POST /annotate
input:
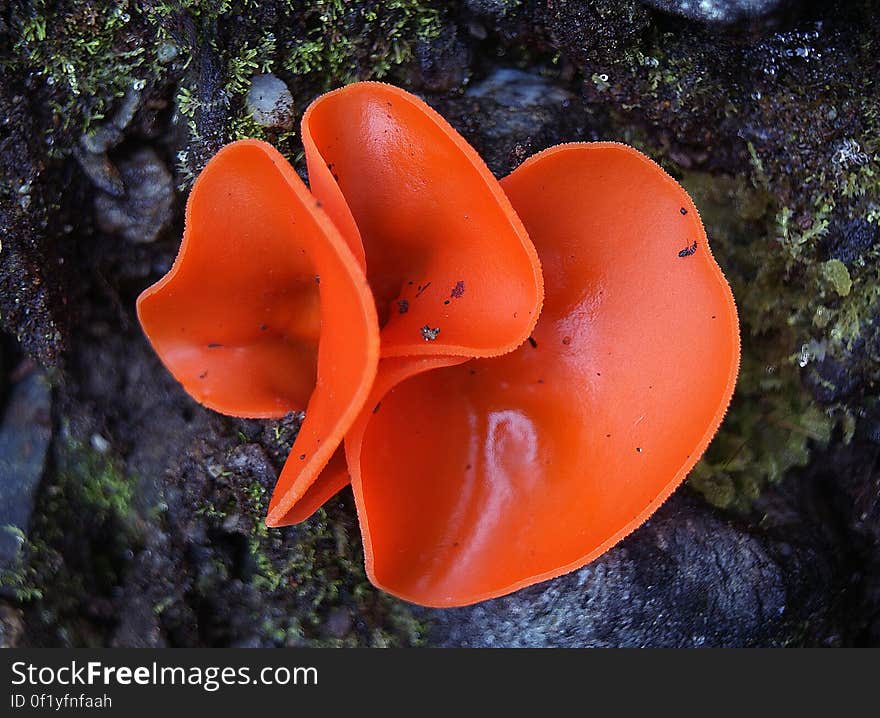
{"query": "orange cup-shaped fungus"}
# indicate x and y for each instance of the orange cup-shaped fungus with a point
(475, 480)
(489, 449)
(451, 267)
(266, 310)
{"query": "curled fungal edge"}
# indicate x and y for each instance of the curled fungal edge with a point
(522, 440)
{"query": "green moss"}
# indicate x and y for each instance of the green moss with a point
(88, 492)
(771, 427)
(101, 487)
(20, 578)
(837, 275)
(322, 571)
(313, 46)
(87, 54)
(84, 531)
(387, 33)
(794, 310)
(337, 43)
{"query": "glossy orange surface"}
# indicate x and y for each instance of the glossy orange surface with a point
(475, 480)
(266, 310)
(452, 269)
(335, 475)
(332, 479)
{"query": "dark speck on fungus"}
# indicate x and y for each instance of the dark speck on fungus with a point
(688, 251)
(457, 290)
(429, 334)
(403, 306)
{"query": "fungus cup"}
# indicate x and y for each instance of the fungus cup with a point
(480, 462)
(444, 248)
(520, 468)
(265, 309)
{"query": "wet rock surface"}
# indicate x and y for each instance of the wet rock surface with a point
(511, 114)
(690, 577)
(723, 11)
(25, 433)
(144, 208)
(147, 521)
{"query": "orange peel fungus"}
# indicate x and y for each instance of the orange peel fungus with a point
(523, 467)
(494, 436)
(266, 310)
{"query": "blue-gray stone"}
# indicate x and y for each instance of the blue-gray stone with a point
(24, 442)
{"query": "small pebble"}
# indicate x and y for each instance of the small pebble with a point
(270, 102)
(99, 443)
